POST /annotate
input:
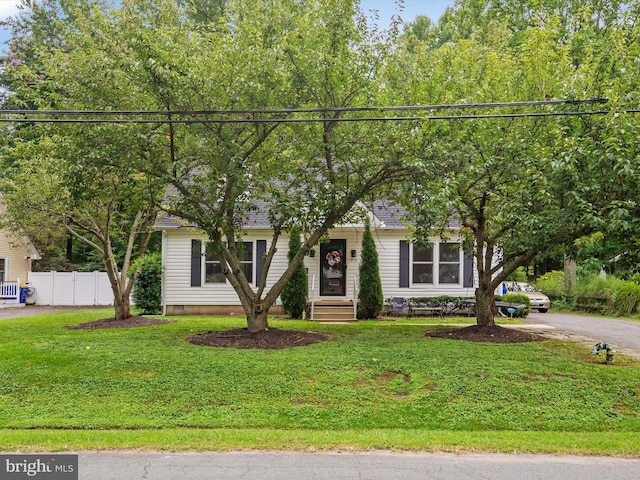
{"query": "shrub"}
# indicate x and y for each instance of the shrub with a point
(370, 298)
(596, 286)
(294, 294)
(518, 298)
(147, 292)
(625, 299)
(551, 283)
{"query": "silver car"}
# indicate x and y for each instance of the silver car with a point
(539, 301)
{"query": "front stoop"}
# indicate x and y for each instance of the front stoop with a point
(333, 311)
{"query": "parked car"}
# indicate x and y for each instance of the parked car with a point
(539, 301)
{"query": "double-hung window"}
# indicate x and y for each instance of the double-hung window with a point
(213, 267)
(449, 264)
(422, 264)
(245, 255)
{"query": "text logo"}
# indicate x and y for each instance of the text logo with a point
(44, 467)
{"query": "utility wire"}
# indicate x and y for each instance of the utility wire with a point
(308, 110)
(304, 120)
(30, 116)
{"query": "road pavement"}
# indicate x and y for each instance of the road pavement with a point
(337, 466)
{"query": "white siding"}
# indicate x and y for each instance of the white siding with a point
(177, 268)
(388, 244)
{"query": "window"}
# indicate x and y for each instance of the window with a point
(2, 269)
(422, 265)
(213, 267)
(245, 255)
(449, 265)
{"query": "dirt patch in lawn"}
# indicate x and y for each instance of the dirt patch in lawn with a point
(492, 334)
(274, 338)
(131, 322)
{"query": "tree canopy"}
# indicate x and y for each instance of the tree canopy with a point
(249, 105)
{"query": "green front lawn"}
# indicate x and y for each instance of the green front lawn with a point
(372, 385)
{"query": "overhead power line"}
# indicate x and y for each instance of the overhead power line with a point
(308, 110)
(240, 115)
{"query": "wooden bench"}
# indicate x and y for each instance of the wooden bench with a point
(415, 310)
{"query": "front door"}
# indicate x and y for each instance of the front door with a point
(333, 268)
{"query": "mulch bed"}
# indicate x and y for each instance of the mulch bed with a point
(131, 322)
(491, 334)
(273, 338)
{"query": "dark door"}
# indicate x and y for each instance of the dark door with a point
(333, 268)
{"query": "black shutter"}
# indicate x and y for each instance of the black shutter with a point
(404, 263)
(196, 263)
(467, 271)
(261, 250)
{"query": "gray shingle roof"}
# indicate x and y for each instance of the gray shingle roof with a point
(390, 215)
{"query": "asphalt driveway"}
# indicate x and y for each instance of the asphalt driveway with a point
(624, 335)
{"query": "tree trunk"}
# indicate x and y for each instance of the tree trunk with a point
(122, 308)
(257, 319)
(485, 306)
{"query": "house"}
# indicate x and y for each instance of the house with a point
(193, 282)
(16, 255)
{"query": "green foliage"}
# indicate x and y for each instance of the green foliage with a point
(520, 275)
(294, 294)
(551, 283)
(623, 296)
(147, 292)
(438, 299)
(610, 295)
(518, 298)
(625, 299)
(370, 296)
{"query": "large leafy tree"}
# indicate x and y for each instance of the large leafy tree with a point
(307, 174)
(81, 176)
(214, 142)
(494, 182)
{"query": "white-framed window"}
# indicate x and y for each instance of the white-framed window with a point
(422, 267)
(439, 263)
(449, 263)
(246, 257)
(213, 268)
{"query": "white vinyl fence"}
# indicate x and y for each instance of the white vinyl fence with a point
(71, 288)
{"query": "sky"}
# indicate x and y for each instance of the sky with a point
(386, 9)
(412, 8)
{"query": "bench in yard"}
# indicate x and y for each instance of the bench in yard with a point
(430, 310)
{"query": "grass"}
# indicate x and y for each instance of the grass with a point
(373, 385)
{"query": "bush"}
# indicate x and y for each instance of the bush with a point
(625, 299)
(595, 286)
(370, 298)
(518, 298)
(294, 294)
(551, 283)
(147, 292)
